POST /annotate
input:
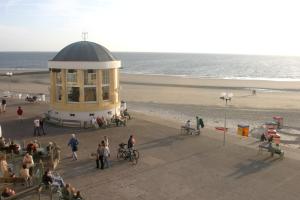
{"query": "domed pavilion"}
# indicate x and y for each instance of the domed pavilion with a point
(84, 82)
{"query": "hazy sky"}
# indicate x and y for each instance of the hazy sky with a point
(200, 26)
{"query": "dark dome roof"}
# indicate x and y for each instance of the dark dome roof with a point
(84, 51)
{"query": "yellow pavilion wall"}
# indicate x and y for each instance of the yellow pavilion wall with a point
(85, 106)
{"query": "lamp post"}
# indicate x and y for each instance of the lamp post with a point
(225, 97)
(9, 74)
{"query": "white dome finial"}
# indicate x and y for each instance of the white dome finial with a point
(84, 35)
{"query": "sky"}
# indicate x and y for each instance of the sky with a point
(268, 27)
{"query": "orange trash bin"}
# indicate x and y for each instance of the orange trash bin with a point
(243, 130)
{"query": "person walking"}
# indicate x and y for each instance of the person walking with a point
(42, 125)
(106, 141)
(19, 113)
(36, 127)
(3, 105)
(106, 155)
(100, 153)
(73, 143)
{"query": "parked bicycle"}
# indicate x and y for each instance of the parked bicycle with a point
(132, 155)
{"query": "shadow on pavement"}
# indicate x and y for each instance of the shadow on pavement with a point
(252, 166)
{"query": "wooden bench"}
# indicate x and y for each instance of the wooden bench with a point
(191, 131)
(53, 120)
(269, 147)
(122, 122)
(71, 123)
(15, 180)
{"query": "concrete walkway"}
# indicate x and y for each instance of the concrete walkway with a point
(172, 166)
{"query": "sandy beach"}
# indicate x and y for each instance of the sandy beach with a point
(180, 98)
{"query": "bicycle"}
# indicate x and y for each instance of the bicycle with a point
(189, 131)
(132, 155)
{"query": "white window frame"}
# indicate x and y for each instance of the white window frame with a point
(105, 83)
(69, 74)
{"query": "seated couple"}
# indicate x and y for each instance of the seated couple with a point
(119, 120)
(32, 146)
(9, 146)
(101, 122)
(50, 178)
(188, 126)
(125, 114)
(5, 169)
(69, 192)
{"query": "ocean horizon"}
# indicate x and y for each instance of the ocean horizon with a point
(186, 65)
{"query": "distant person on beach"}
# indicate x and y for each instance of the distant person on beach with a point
(253, 92)
(3, 105)
(73, 143)
(36, 127)
(20, 113)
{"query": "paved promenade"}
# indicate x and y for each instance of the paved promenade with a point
(172, 166)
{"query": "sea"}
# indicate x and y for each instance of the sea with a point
(220, 66)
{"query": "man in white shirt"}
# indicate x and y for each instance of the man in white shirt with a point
(94, 122)
(36, 125)
(24, 173)
(106, 156)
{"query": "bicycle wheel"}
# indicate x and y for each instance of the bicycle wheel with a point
(136, 154)
(120, 155)
(135, 157)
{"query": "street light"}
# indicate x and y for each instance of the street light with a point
(225, 97)
(9, 74)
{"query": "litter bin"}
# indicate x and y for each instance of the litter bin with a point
(243, 130)
(199, 122)
(279, 121)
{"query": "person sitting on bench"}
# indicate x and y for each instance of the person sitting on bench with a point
(3, 145)
(7, 192)
(24, 173)
(188, 127)
(125, 114)
(47, 178)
